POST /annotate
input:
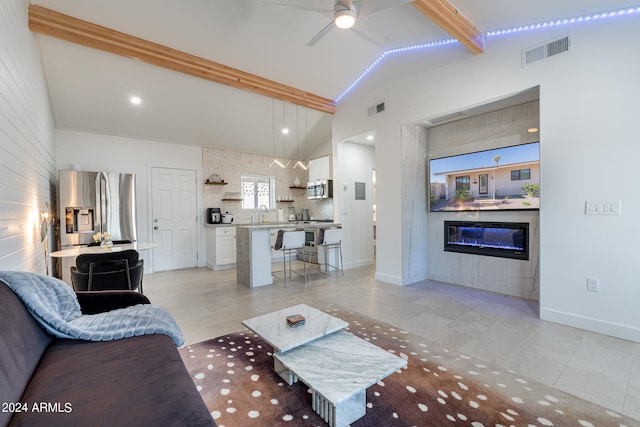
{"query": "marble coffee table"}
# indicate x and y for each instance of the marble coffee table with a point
(273, 328)
(339, 368)
(336, 365)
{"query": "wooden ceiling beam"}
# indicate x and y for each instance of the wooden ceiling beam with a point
(54, 24)
(447, 17)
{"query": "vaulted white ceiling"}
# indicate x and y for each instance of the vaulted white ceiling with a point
(90, 89)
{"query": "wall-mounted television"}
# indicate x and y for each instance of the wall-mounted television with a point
(499, 179)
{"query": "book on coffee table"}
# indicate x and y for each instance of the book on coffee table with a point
(295, 320)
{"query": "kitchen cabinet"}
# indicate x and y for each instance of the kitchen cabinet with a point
(320, 169)
(221, 247)
(225, 245)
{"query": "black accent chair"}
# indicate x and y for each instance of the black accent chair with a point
(121, 270)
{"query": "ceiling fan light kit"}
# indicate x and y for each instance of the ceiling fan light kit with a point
(345, 18)
(346, 13)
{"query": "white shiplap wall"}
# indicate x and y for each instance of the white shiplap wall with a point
(27, 145)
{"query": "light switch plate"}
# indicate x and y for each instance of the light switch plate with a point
(596, 207)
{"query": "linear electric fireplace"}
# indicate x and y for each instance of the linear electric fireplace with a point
(500, 239)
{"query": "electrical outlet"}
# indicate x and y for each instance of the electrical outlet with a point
(592, 284)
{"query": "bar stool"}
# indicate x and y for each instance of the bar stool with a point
(331, 238)
(289, 242)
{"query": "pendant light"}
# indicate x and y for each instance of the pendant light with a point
(275, 161)
(299, 162)
(285, 132)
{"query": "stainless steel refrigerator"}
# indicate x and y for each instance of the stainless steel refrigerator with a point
(96, 202)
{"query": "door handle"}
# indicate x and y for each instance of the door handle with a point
(155, 228)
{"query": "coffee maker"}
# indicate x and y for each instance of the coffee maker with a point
(214, 216)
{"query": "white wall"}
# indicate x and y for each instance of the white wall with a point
(322, 150)
(354, 164)
(95, 152)
(588, 143)
(27, 144)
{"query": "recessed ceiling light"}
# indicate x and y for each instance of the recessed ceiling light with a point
(285, 131)
(532, 130)
(369, 137)
(135, 100)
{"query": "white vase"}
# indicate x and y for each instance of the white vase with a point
(296, 181)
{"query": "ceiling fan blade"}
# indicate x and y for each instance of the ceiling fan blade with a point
(365, 29)
(368, 7)
(321, 34)
(296, 6)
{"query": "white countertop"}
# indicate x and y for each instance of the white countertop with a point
(272, 224)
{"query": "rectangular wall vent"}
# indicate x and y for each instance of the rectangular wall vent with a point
(545, 51)
(376, 109)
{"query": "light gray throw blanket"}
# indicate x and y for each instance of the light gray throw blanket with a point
(55, 306)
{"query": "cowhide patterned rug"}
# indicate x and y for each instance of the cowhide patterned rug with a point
(439, 387)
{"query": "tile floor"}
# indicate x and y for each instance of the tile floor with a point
(503, 330)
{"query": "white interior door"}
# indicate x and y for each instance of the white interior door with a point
(174, 218)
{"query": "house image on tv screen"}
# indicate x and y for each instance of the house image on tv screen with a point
(481, 181)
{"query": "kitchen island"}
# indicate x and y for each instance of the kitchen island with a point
(253, 250)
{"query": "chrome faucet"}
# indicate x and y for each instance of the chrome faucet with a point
(260, 215)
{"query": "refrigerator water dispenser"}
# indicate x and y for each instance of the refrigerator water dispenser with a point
(79, 220)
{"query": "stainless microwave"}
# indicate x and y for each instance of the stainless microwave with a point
(322, 189)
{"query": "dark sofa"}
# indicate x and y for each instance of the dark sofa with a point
(137, 381)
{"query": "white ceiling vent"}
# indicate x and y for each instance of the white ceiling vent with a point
(378, 108)
(547, 50)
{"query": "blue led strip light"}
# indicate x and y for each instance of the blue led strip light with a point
(381, 57)
(542, 25)
(565, 21)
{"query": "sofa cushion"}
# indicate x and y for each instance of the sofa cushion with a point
(138, 381)
(22, 343)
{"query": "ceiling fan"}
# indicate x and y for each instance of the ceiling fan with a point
(349, 14)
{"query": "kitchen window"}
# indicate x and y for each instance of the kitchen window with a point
(258, 190)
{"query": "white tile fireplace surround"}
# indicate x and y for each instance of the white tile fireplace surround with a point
(515, 277)
(502, 275)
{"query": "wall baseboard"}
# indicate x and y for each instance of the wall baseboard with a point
(387, 278)
(594, 325)
(359, 263)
